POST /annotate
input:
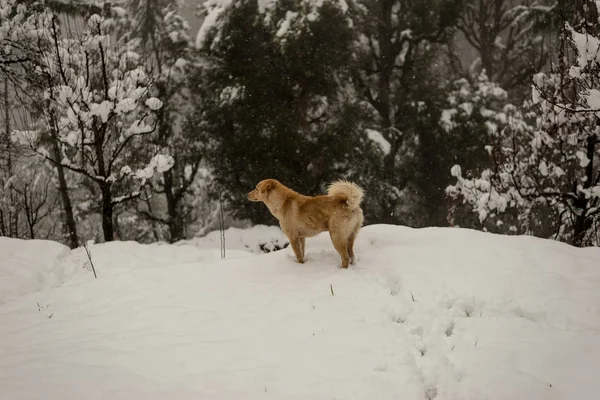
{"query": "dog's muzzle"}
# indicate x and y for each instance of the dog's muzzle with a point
(252, 196)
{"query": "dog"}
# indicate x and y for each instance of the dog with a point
(302, 216)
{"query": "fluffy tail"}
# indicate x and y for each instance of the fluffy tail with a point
(351, 192)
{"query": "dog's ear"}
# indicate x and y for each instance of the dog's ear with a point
(268, 186)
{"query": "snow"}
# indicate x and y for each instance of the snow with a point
(583, 159)
(104, 109)
(543, 168)
(214, 9)
(456, 171)
(593, 99)
(31, 266)
(429, 313)
(587, 46)
(286, 23)
(153, 103)
(139, 127)
(256, 239)
(158, 164)
(381, 142)
(446, 120)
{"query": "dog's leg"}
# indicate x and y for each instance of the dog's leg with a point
(297, 247)
(303, 247)
(351, 240)
(341, 245)
(351, 246)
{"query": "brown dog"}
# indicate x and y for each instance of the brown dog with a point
(302, 216)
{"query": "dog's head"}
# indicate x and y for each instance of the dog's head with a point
(262, 190)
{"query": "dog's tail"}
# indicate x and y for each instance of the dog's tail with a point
(351, 192)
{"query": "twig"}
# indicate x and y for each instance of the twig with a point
(222, 226)
(331, 287)
(87, 251)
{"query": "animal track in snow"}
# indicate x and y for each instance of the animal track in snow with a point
(450, 329)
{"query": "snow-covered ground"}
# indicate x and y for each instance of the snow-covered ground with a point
(425, 314)
(256, 239)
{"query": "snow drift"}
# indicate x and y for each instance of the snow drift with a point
(425, 314)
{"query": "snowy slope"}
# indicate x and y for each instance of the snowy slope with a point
(433, 313)
(32, 265)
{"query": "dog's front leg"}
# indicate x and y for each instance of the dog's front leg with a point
(298, 249)
(303, 247)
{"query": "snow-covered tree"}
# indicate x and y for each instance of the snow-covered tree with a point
(12, 29)
(173, 61)
(97, 110)
(549, 169)
(508, 38)
(27, 200)
(397, 75)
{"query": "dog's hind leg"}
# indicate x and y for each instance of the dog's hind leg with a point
(351, 239)
(351, 246)
(298, 248)
(340, 242)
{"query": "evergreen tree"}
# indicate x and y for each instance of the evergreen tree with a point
(399, 76)
(278, 102)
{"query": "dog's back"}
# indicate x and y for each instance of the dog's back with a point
(337, 211)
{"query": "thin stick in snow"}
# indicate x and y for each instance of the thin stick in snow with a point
(87, 251)
(222, 227)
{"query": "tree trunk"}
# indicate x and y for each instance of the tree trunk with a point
(31, 231)
(582, 222)
(7, 130)
(107, 213)
(13, 215)
(66, 199)
(174, 217)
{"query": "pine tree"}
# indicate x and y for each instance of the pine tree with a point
(278, 101)
(399, 76)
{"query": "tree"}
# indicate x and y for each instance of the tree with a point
(508, 37)
(98, 111)
(553, 165)
(29, 197)
(18, 57)
(277, 103)
(398, 77)
(172, 60)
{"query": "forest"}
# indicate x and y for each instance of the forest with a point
(119, 121)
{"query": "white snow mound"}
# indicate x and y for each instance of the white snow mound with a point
(28, 266)
(424, 314)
